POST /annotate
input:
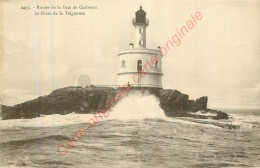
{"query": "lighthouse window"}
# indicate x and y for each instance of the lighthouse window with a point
(139, 65)
(156, 65)
(123, 64)
(141, 30)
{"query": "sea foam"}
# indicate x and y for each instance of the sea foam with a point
(137, 106)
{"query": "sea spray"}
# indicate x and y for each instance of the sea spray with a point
(137, 106)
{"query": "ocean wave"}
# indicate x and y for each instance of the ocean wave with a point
(35, 140)
(191, 121)
(54, 120)
(245, 121)
(138, 107)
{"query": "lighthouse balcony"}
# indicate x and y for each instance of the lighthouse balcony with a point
(140, 51)
(140, 22)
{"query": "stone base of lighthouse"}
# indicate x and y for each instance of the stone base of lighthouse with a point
(140, 68)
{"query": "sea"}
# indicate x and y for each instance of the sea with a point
(135, 134)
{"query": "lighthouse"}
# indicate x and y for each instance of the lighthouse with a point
(138, 65)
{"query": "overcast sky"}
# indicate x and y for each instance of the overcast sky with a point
(218, 58)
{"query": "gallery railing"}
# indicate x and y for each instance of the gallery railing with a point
(121, 86)
(146, 22)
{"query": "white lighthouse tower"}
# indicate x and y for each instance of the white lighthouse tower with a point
(139, 66)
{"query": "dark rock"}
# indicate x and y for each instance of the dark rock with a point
(221, 115)
(202, 101)
(86, 100)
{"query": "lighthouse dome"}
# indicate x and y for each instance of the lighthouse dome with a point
(140, 15)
